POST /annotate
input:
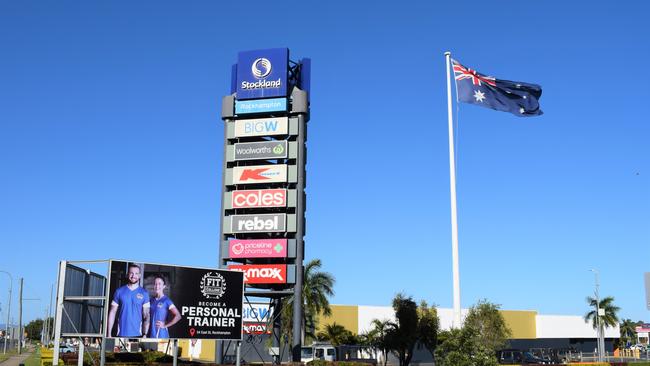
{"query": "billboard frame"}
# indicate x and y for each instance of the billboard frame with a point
(60, 309)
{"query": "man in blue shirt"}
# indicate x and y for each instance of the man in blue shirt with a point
(159, 310)
(131, 304)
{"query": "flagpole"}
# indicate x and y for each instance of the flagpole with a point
(454, 216)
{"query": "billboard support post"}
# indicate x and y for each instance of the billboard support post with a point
(58, 313)
(102, 352)
(175, 352)
(80, 357)
(238, 363)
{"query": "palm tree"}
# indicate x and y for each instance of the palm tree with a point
(380, 329)
(336, 334)
(628, 332)
(609, 319)
(317, 287)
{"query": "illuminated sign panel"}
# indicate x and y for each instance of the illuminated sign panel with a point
(261, 150)
(262, 127)
(259, 198)
(262, 273)
(261, 106)
(259, 174)
(258, 223)
(262, 73)
(257, 248)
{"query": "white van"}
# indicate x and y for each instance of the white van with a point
(318, 351)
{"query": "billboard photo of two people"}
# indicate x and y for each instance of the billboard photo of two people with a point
(162, 301)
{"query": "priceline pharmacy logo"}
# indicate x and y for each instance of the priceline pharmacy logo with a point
(261, 68)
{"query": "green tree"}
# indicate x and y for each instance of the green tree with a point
(378, 335)
(484, 331)
(628, 332)
(488, 324)
(402, 335)
(34, 329)
(428, 328)
(317, 287)
(610, 317)
(336, 334)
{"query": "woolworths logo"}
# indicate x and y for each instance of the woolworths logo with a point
(261, 150)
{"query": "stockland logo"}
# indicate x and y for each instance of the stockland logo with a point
(261, 68)
(262, 73)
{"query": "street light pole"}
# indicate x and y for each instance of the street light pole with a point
(11, 284)
(20, 318)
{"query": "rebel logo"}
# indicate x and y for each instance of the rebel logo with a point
(259, 174)
(258, 223)
(259, 198)
(262, 273)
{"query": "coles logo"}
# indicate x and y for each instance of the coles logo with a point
(259, 198)
(262, 273)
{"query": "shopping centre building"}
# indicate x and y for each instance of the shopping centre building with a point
(530, 330)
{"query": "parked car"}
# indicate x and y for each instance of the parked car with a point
(66, 349)
(515, 356)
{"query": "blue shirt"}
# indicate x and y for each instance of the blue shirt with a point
(131, 303)
(159, 310)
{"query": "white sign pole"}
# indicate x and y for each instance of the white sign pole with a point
(59, 312)
(454, 216)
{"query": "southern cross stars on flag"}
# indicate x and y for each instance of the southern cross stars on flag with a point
(521, 99)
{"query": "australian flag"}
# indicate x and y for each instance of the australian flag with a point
(521, 99)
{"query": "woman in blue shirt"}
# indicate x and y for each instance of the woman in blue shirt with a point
(159, 309)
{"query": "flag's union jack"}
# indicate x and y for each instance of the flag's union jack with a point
(461, 72)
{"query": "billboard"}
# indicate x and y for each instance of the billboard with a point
(262, 273)
(163, 301)
(257, 248)
(260, 150)
(261, 127)
(259, 174)
(260, 106)
(262, 73)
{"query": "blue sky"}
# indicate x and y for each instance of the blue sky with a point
(111, 143)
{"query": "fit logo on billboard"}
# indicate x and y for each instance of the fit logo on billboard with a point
(262, 273)
(259, 198)
(213, 285)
